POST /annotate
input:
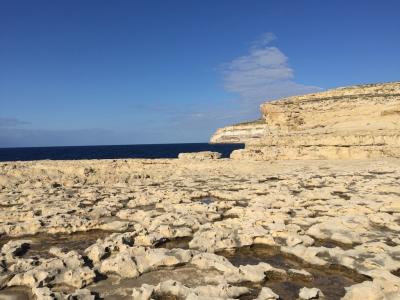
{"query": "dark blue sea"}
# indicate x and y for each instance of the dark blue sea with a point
(112, 152)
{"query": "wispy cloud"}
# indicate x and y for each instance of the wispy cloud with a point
(262, 74)
(12, 122)
(264, 39)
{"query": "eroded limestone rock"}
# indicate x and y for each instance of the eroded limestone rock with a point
(310, 293)
(179, 220)
(202, 155)
(170, 287)
(365, 290)
(355, 122)
(267, 294)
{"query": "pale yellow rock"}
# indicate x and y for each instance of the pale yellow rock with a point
(366, 290)
(267, 294)
(121, 264)
(310, 293)
(240, 133)
(323, 212)
(355, 122)
(202, 155)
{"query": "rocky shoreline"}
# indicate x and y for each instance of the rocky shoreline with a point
(200, 229)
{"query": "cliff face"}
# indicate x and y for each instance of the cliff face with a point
(240, 133)
(345, 123)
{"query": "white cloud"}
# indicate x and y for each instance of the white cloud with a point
(262, 74)
(264, 39)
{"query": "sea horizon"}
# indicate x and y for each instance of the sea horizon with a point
(101, 145)
(139, 151)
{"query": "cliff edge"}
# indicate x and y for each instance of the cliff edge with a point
(352, 122)
(240, 133)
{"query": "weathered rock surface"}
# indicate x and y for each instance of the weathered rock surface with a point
(310, 293)
(202, 155)
(240, 133)
(210, 229)
(355, 122)
(267, 294)
(177, 289)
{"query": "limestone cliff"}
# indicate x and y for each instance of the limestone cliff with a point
(345, 123)
(240, 133)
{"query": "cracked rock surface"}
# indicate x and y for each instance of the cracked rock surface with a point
(200, 229)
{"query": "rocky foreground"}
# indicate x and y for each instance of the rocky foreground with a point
(215, 229)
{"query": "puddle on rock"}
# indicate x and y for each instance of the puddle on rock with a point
(207, 200)
(270, 179)
(396, 273)
(333, 244)
(181, 242)
(331, 283)
(211, 199)
(227, 216)
(42, 242)
(147, 207)
(242, 203)
(258, 253)
(330, 280)
(342, 195)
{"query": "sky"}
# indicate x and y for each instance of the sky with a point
(99, 72)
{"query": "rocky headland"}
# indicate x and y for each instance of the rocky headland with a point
(272, 225)
(344, 123)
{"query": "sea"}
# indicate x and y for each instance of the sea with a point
(112, 152)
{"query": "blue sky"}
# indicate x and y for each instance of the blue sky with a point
(129, 72)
